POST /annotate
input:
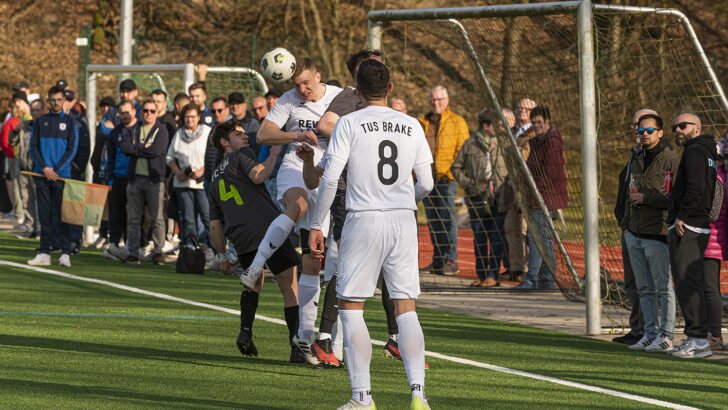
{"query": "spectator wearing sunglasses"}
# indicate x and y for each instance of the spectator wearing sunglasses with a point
(146, 147)
(645, 233)
(688, 213)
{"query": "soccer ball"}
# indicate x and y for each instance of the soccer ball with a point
(278, 64)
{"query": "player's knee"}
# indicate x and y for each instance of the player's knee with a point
(311, 265)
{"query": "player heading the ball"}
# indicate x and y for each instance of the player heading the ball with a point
(382, 147)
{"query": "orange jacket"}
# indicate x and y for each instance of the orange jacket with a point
(451, 135)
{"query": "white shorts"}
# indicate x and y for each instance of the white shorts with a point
(290, 176)
(374, 242)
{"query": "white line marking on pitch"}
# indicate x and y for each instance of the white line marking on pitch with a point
(482, 365)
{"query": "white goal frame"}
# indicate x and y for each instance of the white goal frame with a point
(585, 25)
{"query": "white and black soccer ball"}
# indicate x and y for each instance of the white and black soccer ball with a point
(278, 64)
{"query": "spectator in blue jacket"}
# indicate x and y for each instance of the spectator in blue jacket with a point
(147, 148)
(127, 92)
(53, 145)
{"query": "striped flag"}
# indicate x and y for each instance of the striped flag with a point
(83, 203)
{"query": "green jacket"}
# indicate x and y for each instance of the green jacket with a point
(476, 167)
(648, 219)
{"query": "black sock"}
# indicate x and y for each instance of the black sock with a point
(248, 306)
(330, 312)
(291, 315)
(389, 310)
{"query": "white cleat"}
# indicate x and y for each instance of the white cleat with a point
(250, 276)
(305, 347)
(41, 259)
(353, 405)
(65, 260)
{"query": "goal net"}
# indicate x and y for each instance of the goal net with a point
(645, 59)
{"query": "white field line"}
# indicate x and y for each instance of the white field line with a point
(482, 365)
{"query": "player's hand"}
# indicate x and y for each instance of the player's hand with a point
(225, 267)
(50, 174)
(308, 136)
(201, 71)
(181, 175)
(305, 152)
(316, 243)
(679, 227)
(275, 150)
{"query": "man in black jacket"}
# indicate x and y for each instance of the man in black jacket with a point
(688, 213)
(146, 147)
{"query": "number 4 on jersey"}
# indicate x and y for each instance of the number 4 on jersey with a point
(232, 193)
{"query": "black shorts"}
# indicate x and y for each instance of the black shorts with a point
(338, 213)
(284, 258)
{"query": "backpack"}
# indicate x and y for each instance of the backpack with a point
(718, 196)
(191, 260)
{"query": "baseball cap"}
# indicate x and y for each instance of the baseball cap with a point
(106, 102)
(236, 98)
(62, 83)
(128, 84)
(21, 84)
(274, 92)
(20, 95)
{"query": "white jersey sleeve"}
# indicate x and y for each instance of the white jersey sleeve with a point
(282, 110)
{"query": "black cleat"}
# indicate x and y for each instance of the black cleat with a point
(245, 344)
(297, 355)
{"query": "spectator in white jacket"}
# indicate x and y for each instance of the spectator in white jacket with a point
(186, 159)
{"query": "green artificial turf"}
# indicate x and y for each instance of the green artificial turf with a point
(147, 362)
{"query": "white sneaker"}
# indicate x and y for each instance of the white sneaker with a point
(214, 264)
(99, 242)
(690, 349)
(41, 259)
(119, 252)
(661, 343)
(108, 255)
(249, 276)
(167, 247)
(644, 342)
(353, 404)
(305, 347)
(65, 260)
(209, 254)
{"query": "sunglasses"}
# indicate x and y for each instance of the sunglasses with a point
(681, 125)
(150, 111)
(219, 110)
(649, 131)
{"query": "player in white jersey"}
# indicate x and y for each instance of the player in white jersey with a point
(382, 147)
(297, 111)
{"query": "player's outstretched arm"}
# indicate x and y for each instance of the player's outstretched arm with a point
(326, 124)
(424, 183)
(311, 173)
(271, 134)
(263, 170)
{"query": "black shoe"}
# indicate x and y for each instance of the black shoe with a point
(629, 339)
(132, 260)
(158, 259)
(245, 344)
(450, 269)
(297, 355)
(517, 276)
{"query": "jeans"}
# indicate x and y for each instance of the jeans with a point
(537, 220)
(487, 225)
(192, 202)
(49, 195)
(141, 190)
(651, 265)
(117, 210)
(27, 192)
(440, 211)
(636, 322)
(686, 260)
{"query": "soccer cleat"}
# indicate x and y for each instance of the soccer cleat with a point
(297, 355)
(249, 276)
(305, 347)
(419, 403)
(353, 405)
(324, 353)
(661, 343)
(690, 349)
(245, 344)
(644, 342)
(65, 260)
(391, 350)
(41, 259)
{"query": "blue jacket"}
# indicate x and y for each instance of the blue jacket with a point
(113, 115)
(83, 152)
(53, 143)
(118, 162)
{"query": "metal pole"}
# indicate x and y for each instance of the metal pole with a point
(532, 9)
(585, 26)
(91, 119)
(189, 76)
(126, 32)
(374, 38)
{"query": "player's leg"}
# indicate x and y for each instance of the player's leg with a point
(358, 348)
(309, 291)
(248, 306)
(390, 349)
(412, 348)
(278, 231)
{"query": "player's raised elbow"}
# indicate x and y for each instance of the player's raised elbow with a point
(266, 132)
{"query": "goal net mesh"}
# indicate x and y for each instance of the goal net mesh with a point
(641, 60)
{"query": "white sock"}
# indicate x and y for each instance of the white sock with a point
(394, 337)
(332, 260)
(324, 336)
(308, 298)
(412, 348)
(358, 347)
(337, 341)
(276, 234)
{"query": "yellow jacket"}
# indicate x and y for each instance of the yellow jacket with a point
(451, 135)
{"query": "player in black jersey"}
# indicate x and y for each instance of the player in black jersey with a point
(239, 199)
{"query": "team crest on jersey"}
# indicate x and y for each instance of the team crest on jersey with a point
(62, 126)
(208, 120)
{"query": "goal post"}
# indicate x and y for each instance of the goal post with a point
(479, 32)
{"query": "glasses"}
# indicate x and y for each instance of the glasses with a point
(150, 111)
(681, 125)
(649, 131)
(219, 110)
